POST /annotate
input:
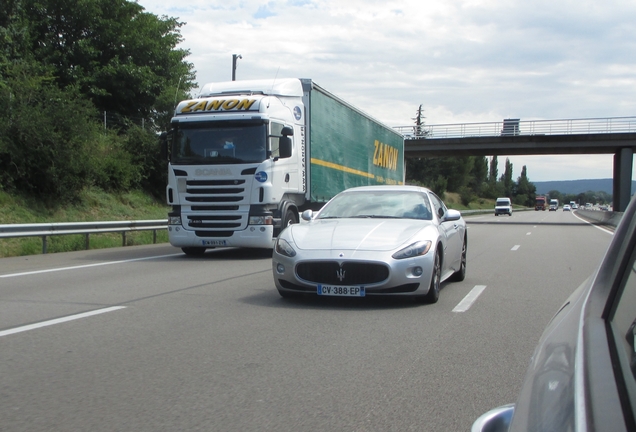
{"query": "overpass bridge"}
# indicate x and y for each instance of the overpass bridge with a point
(615, 135)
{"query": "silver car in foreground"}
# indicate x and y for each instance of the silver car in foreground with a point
(582, 375)
(373, 241)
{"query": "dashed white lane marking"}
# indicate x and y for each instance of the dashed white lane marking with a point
(470, 298)
(515, 247)
(528, 233)
(58, 320)
(85, 266)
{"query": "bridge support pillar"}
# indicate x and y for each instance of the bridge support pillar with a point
(622, 187)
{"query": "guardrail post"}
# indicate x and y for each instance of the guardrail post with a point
(43, 244)
(87, 242)
(154, 236)
(123, 238)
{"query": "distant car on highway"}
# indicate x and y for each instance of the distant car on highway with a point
(503, 206)
(566, 207)
(582, 375)
(373, 241)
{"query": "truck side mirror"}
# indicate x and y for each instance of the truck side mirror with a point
(285, 147)
(285, 143)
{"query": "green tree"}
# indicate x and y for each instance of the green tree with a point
(493, 172)
(124, 59)
(526, 191)
(63, 63)
(45, 135)
(506, 179)
(479, 175)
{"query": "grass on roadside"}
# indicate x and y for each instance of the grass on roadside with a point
(94, 205)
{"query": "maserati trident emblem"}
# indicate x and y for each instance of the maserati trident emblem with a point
(340, 274)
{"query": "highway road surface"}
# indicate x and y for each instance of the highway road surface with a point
(148, 339)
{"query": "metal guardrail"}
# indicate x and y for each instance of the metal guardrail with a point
(512, 127)
(45, 230)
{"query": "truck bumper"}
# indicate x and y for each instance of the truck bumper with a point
(255, 236)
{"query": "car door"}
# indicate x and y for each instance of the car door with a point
(451, 232)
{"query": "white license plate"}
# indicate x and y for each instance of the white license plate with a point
(341, 291)
(214, 243)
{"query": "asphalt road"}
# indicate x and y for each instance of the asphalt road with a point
(189, 344)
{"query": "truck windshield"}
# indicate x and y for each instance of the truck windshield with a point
(213, 143)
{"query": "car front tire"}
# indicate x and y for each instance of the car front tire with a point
(433, 291)
(460, 274)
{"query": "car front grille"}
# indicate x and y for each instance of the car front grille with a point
(349, 273)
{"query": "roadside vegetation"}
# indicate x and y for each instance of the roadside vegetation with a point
(92, 205)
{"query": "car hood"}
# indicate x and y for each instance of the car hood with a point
(357, 234)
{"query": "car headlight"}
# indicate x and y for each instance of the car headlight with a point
(284, 248)
(412, 250)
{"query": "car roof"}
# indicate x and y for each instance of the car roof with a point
(389, 188)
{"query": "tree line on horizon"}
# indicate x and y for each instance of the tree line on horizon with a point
(471, 176)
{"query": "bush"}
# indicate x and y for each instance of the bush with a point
(466, 195)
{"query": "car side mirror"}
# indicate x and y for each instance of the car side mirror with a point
(307, 215)
(452, 215)
(496, 420)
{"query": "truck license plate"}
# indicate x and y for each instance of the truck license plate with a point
(341, 291)
(214, 243)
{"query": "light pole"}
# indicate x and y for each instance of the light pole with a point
(235, 57)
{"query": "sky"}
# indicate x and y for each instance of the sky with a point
(462, 60)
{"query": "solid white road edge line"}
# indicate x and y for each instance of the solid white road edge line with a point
(58, 320)
(470, 298)
(85, 266)
(595, 226)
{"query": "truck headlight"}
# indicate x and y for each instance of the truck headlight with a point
(174, 220)
(261, 220)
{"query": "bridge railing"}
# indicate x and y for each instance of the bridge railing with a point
(510, 127)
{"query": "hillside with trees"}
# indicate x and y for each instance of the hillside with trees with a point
(84, 87)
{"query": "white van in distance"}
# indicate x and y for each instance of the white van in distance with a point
(503, 206)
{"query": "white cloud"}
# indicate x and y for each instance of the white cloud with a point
(463, 60)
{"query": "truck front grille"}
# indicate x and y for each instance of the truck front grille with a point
(216, 206)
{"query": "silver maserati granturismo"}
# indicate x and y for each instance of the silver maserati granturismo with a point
(373, 241)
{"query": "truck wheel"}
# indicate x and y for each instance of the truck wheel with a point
(193, 251)
(290, 218)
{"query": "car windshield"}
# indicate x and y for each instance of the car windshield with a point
(378, 204)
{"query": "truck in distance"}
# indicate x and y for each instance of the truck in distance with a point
(554, 204)
(541, 202)
(245, 157)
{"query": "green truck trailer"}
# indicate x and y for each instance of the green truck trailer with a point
(246, 157)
